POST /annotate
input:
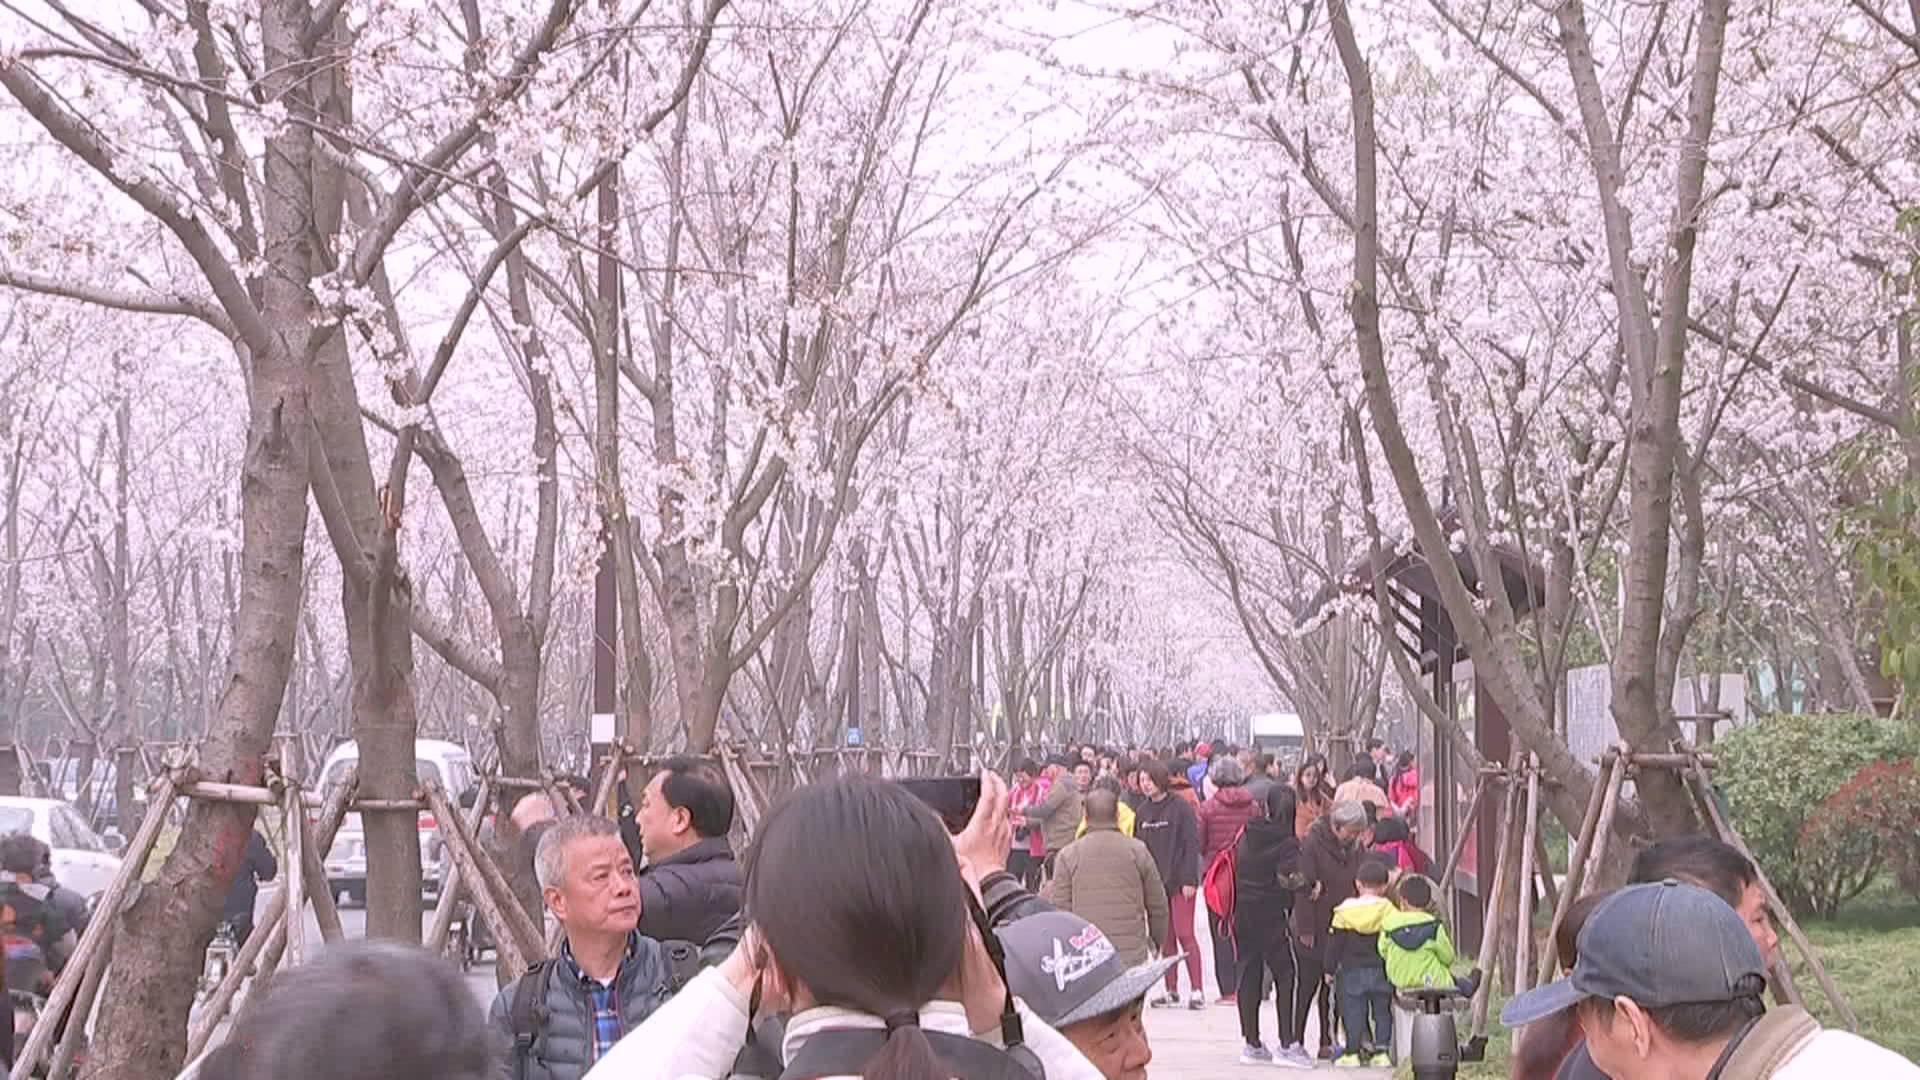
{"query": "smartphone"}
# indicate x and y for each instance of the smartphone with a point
(952, 797)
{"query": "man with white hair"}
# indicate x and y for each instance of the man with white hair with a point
(566, 1012)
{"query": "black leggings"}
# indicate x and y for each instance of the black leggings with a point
(1266, 948)
(1311, 965)
(1226, 963)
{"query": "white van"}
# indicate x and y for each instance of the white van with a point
(447, 764)
(1280, 734)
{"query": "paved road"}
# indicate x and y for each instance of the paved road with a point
(354, 921)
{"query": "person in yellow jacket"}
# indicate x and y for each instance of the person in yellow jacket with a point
(1126, 812)
(1360, 973)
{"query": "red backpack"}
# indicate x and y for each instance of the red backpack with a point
(1217, 883)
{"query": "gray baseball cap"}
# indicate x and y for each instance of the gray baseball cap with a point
(1665, 943)
(1067, 971)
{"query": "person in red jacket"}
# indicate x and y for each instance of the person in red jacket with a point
(1404, 790)
(1221, 819)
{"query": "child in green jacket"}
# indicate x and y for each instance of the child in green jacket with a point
(1415, 945)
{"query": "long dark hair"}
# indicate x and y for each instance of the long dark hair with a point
(1320, 792)
(854, 887)
(1282, 807)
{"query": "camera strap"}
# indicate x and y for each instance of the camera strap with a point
(1013, 1030)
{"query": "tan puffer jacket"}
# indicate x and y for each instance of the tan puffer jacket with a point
(1109, 879)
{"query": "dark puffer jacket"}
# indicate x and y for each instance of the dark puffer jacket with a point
(562, 1047)
(1329, 863)
(687, 896)
(1221, 819)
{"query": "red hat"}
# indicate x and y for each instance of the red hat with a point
(1203, 749)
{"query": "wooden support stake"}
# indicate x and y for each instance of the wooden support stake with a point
(450, 882)
(748, 796)
(1466, 834)
(319, 893)
(296, 885)
(609, 776)
(251, 794)
(1492, 904)
(69, 1046)
(513, 932)
(1603, 831)
(1549, 890)
(1671, 761)
(99, 929)
(519, 783)
(564, 804)
(1780, 974)
(264, 946)
(1727, 833)
(1523, 925)
(1578, 861)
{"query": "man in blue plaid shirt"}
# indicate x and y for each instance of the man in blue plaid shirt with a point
(566, 1013)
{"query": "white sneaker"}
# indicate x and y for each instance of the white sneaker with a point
(1255, 1055)
(1293, 1057)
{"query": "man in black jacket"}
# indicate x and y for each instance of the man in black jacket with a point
(691, 884)
(257, 864)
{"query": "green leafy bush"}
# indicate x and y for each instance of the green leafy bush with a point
(1778, 772)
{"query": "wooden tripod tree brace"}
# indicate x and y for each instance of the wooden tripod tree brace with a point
(513, 931)
(1493, 903)
(296, 886)
(451, 883)
(1445, 882)
(1523, 925)
(1603, 831)
(99, 929)
(1704, 790)
(264, 946)
(609, 776)
(69, 1047)
(1577, 863)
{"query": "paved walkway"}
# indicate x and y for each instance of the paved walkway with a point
(1190, 1044)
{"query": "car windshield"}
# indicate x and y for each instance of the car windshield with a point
(15, 819)
(70, 831)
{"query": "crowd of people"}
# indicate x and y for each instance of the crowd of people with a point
(854, 936)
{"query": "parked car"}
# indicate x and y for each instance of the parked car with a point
(82, 860)
(63, 780)
(447, 764)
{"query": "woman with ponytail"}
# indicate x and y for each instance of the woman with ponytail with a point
(861, 931)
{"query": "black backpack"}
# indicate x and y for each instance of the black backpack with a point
(527, 1011)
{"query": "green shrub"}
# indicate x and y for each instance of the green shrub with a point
(1778, 772)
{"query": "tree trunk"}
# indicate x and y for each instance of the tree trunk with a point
(163, 935)
(375, 596)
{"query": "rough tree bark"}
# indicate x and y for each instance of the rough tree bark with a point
(1656, 351)
(164, 932)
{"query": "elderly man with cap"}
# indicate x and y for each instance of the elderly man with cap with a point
(1670, 985)
(1072, 977)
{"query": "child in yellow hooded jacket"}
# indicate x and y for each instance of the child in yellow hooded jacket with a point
(1364, 995)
